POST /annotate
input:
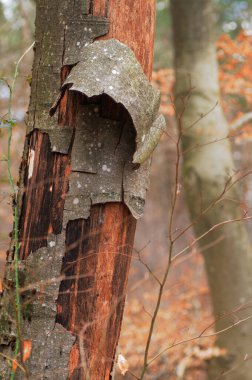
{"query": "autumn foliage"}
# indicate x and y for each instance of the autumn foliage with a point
(186, 309)
(235, 78)
(235, 72)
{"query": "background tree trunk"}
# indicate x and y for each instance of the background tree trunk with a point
(207, 169)
(98, 249)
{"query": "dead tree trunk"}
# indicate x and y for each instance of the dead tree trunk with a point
(208, 171)
(76, 231)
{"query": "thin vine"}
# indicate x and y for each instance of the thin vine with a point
(9, 122)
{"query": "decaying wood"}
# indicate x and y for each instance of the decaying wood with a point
(133, 23)
(90, 304)
(98, 249)
(101, 363)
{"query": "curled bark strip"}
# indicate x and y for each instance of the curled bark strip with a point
(111, 159)
(111, 67)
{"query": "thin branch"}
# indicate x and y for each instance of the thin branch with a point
(12, 361)
(18, 343)
(231, 182)
(200, 118)
(246, 118)
(208, 231)
(196, 146)
(200, 336)
(168, 264)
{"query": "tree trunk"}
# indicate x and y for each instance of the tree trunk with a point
(79, 339)
(207, 171)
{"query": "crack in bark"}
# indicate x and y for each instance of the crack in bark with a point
(64, 45)
(36, 87)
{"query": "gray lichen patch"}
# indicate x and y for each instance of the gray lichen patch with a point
(135, 186)
(111, 67)
(83, 5)
(70, 28)
(102, 168)
(60, 138)
(80, 34)
(86, 136)
(150, 140)
(51, 343)
(76, 206)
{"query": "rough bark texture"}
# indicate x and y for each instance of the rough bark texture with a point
(90, 287)
(91, 300)
(206, 171)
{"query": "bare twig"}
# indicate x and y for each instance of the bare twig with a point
(200, 336)
(246, 118)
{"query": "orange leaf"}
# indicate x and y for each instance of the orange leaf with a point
(27, 350)
(14, 365)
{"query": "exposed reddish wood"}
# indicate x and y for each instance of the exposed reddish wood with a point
(133, 23)
(97, 260)
(68, 106)
(43, 195)
(100, 8)
(74, 358)
(44, 192)
(98, 250)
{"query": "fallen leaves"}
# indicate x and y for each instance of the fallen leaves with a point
(27, 348)
(122, 364)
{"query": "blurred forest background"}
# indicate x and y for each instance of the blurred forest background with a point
(186, 307)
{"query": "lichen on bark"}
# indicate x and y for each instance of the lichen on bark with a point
(111, 67)
(56, 148)
(51, 343)
(104, 152)
(69, 30)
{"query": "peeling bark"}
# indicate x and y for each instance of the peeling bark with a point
(85, 253)
(51, 342)
(110, 67)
